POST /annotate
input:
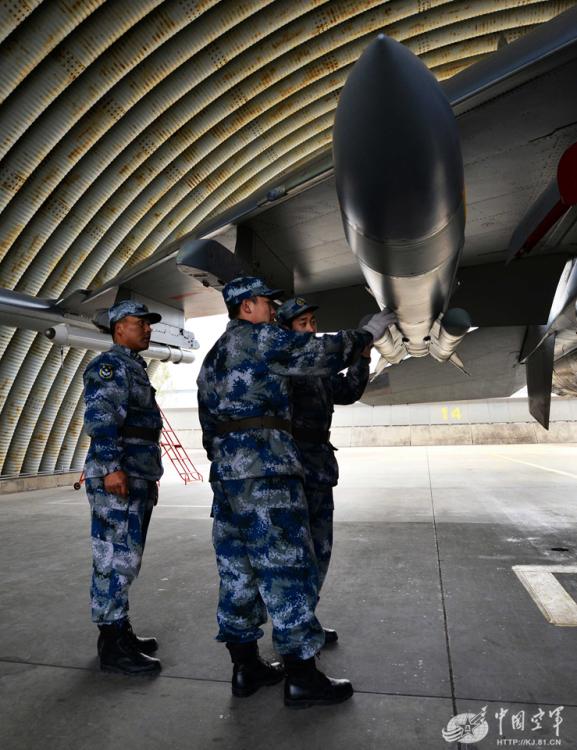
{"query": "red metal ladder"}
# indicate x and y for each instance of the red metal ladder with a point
(173, 449)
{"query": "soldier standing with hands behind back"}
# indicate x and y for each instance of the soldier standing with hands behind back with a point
(122, 468)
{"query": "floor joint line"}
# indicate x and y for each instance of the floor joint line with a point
(442, 588)
(385, 693)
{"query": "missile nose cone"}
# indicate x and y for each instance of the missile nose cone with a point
(397, 156)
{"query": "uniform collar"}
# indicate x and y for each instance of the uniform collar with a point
(129, 353)
(236, 323)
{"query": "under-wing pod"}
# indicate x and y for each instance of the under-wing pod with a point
(448, 332)
(399, 177)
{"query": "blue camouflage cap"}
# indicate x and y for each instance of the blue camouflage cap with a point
(291, 309)
(129, 307)
(245, 287)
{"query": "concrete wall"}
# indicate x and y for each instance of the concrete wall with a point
(38, 482)
(459, 423)
(500, 421)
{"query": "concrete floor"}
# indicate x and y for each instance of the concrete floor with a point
(432, 619)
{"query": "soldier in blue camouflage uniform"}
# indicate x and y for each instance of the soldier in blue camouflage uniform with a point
(313, 399)
(122, 469)
(261, 534)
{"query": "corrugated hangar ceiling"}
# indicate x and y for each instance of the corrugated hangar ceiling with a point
(123, 125)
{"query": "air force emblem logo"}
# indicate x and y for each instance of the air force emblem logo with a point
(106, 372)
(467, 728)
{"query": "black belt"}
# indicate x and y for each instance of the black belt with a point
(301, 434)
(144, 433)
(254, 423)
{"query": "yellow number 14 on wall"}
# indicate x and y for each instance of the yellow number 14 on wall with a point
(454, 413)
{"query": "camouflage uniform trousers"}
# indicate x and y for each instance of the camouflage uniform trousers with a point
(321, 510)
(266, 563)
(119, 528)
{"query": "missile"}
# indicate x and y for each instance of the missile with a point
(65, 328)
(400, 184)
(549, 208)
(82, 338)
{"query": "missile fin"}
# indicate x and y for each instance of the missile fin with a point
(382, 364)
(457, 362)
(539, 369)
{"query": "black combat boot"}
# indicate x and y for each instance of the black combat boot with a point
(331, 636)
(250, 672)
(306, 686)
(144, 645)
(118, 652)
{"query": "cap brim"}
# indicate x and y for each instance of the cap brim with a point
(151, 317)
(272, 293)
(287, 321)
(302, 311)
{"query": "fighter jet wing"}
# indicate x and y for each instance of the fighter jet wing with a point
(517, 116)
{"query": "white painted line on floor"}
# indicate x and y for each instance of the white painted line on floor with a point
(535, 466)
(557, 606)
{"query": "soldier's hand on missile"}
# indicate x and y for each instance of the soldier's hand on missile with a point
(378, 323)
(116, 483)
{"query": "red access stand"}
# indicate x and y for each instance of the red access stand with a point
(173, 449)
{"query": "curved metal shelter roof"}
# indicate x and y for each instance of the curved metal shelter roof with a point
(124, 125)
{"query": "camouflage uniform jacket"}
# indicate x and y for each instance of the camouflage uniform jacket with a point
(247, 374)
(118, 393)
(313, 401)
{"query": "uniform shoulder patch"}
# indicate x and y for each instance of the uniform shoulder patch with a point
(106, 372)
